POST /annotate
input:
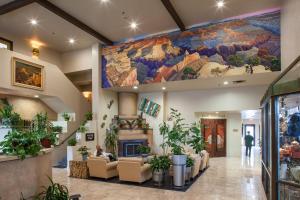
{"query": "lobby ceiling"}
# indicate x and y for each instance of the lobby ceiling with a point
(112, 19)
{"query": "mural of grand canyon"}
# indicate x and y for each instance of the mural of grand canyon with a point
(230, 47)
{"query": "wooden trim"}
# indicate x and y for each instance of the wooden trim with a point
(170, 8)
(9, 42)
(14, 5)
(66, 16)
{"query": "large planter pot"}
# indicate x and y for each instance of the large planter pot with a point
(158, 176)
(46, 143)
(84, 157)
(188, 173)
(179, 170)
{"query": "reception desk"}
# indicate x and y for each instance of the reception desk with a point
(24, 176)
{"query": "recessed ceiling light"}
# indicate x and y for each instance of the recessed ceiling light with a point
(71, 41)
(133, 25)
(217, 112)
(36, 96)
(226, 83)
(33, 22)
(163, 88)
(220, 4)
(104, 1)
(135, 87)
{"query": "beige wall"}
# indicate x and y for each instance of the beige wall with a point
(29, 107)
(290, 31)
(23, 46)
(77, 60)
(127, 103)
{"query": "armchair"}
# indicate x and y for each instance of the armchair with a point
(134, 170)
(102, 168)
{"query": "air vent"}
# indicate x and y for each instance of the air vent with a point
(238, 81)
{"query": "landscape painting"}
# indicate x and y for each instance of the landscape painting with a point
(236, 46)
(27, 74)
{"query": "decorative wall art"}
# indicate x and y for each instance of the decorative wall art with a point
(149, 107)
(27, 74)
(240, 45)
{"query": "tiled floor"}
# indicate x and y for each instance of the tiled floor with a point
(226, 179)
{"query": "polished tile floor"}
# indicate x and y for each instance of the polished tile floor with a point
(226, 179)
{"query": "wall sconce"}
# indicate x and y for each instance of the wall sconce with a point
(35, 52)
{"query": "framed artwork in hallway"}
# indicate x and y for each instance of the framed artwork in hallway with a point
(6, 44)
(27, 74)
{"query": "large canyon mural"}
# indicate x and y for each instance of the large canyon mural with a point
(230, 47)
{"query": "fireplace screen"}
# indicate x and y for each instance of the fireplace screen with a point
(128, 148)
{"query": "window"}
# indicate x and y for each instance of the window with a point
(6, 44)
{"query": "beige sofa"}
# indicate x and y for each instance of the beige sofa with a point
(205, 160)
(197, 164)
(101, 167)
(134, 170)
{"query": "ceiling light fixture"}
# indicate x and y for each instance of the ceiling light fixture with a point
(104, 1)
(226, 83)
(36, 96)
(135, 87)
(163, 88)
(133, 25)
(220, 4)
(33, 22)
(71, 41)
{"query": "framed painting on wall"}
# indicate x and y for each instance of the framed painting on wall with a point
(27, 74)
(6, 44)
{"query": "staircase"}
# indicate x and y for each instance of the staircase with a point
(59, 93)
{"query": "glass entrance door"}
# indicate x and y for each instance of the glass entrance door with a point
(251, 129)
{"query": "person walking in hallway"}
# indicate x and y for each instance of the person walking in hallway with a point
(248, 142)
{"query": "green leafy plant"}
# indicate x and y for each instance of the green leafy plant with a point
(83, 150)
(21, 143)
(143, 149)
(82, 128)
(44, 128)
(89, 116)
(196, 140)
(155, 164)
(66, 116)
(72, 142)
(160, 163)
(111, 139)
(189, 162)
(9, 118)
(164, 129)
(54, 192)
(165, 162)
(176, 136)
(57, 129)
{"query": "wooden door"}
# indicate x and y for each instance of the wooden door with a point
(214, 133)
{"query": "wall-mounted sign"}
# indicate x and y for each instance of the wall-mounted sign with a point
(149, 107)
(89, 137)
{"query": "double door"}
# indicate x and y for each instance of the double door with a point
(214, 133)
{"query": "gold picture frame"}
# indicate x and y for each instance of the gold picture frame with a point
(27, 74)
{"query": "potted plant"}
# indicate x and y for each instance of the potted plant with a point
(57, 129)
(66, 116)
(72, 142)
(89, 116)
(84, 152)
(155, 165)
(143, 150)
(21, 143)
(175, 139)
(165, 164)
(111, 139)
(189, 165)
(8, 117)
(82, 128)
(196, 141)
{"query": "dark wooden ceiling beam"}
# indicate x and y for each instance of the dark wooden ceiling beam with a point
(14, 5)
(170, 8)
(66, 16)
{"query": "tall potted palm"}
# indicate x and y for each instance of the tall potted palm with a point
(175, 139)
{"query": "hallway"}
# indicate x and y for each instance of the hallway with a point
(225, 179)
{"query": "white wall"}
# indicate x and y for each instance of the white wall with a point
(234, 133)
(24, 47)
(290, 31)
(77, 60)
